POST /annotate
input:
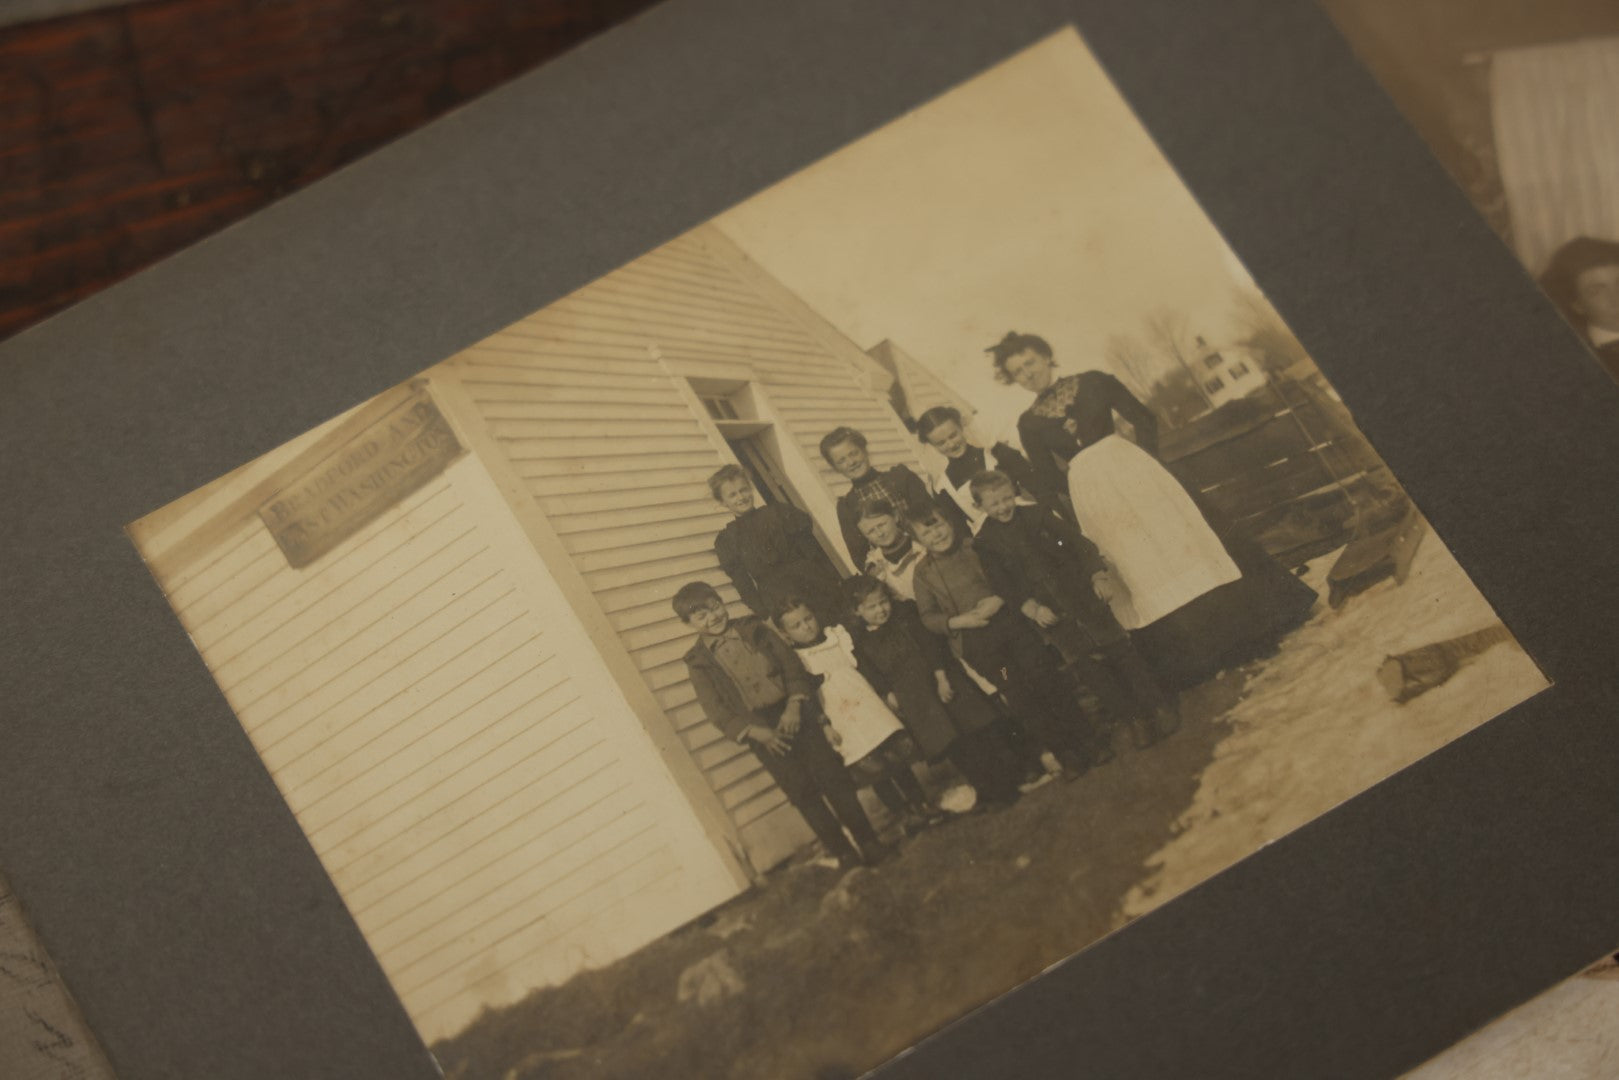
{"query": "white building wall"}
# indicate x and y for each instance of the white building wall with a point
(587, 403)
(484, 799)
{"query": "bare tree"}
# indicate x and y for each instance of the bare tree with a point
(1166, 331)
(1134, 362)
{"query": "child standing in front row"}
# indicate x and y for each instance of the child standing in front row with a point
(752, 687)
(867, 735)
(954, 598)
(943, 709)
(1046, 569)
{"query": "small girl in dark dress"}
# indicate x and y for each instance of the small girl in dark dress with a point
(770, 552)
(944, 710)
(1045, 568)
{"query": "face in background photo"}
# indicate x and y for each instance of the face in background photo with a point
(1518, 102)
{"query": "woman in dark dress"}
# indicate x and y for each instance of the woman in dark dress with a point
(1196, 596)
(770, 552)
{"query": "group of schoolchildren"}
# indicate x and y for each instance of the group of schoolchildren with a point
(975, 635)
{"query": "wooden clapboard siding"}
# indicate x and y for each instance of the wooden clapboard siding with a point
(586, 403)
(435, 717)
(922, 389)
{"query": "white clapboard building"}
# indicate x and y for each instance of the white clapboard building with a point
(443, 620)
(1226, 373)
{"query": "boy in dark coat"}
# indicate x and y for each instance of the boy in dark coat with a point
(955, 599)
(753, 687)
(944, 710)
(1045, 568)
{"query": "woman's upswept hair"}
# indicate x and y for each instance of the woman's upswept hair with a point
(838, 436)
(1561, 278)
(1012, 344)
(934, 417)
(726, 474)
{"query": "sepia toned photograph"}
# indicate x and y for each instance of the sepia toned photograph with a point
(1517, 101)
(825, 622)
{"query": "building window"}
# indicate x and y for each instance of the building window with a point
(1213, 360)
(719, 408)
(1214, 385)
(774, 462)
(1239, 369)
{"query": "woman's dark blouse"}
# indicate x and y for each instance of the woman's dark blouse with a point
(770, 553)
(975, 459)
(1074, 412)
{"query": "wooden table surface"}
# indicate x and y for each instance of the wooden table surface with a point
(130, 132)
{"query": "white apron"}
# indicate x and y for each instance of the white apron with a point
(852, 707)
(1163, 553)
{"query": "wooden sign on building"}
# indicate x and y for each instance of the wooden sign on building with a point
(350, 487)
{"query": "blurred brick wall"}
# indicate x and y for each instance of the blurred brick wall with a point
(128, 133)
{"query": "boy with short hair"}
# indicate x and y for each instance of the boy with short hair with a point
(954, 597)
(1046, 569)
(752, 686)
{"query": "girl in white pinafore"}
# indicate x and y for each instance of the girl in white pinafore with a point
(863, 729)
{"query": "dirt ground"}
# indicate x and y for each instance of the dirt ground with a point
(969, 910)
(822, 977)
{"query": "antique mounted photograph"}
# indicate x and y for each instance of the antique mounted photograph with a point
(834, 617)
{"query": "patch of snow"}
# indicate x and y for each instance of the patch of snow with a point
(1314, 726)
(958, 799)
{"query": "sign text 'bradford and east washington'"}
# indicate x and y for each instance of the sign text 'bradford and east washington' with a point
(355, 483)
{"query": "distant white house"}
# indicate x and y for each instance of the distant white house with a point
(1225, 373)
(443, 619)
